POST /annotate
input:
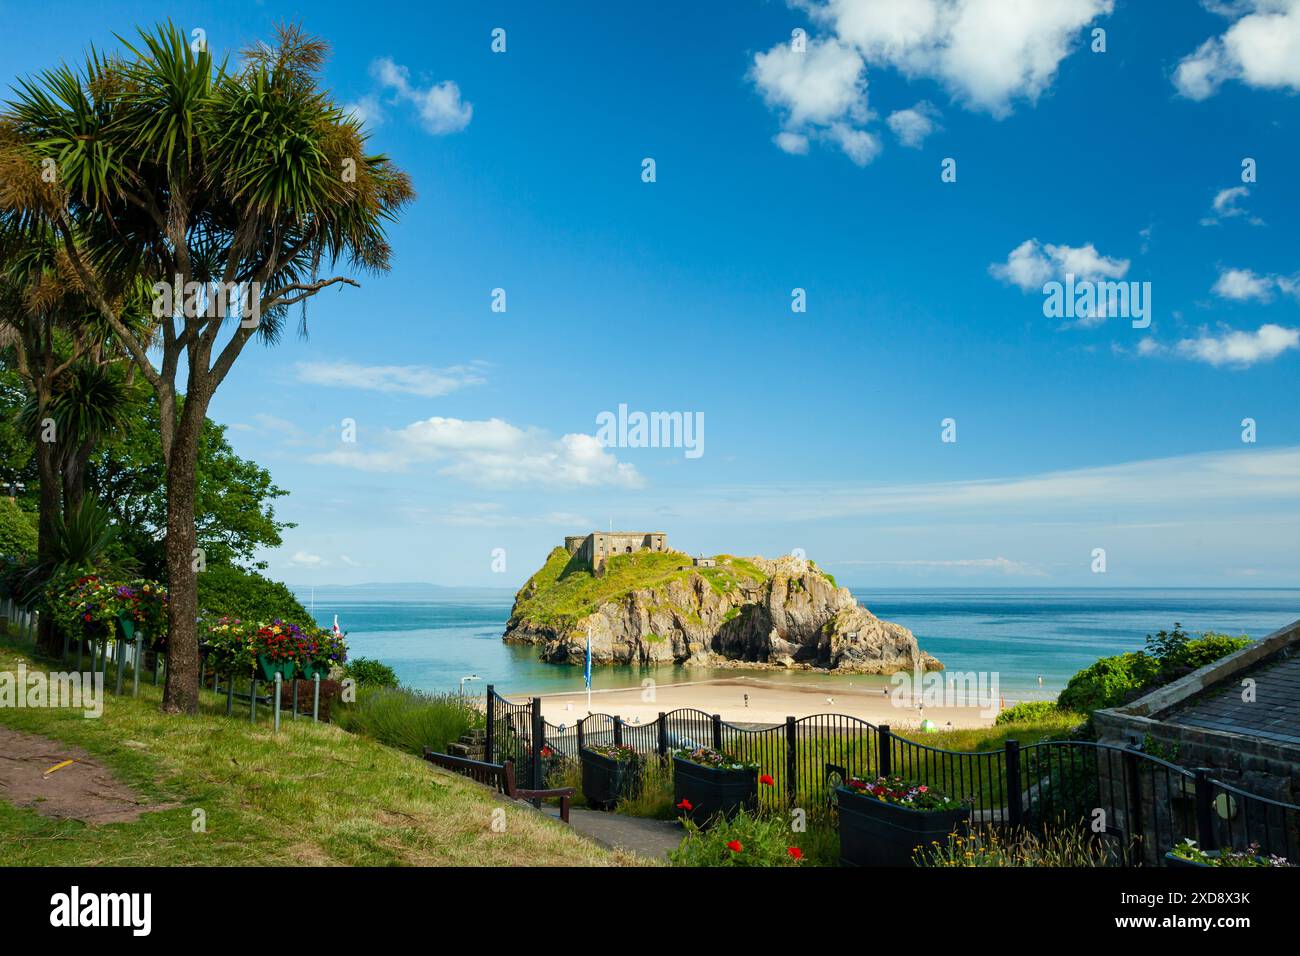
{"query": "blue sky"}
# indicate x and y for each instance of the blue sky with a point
(779, 169)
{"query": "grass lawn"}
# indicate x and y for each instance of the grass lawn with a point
(311, 795)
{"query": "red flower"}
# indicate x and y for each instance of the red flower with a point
(685, 805)
(795, 852)
(734, 846)
(767, 779)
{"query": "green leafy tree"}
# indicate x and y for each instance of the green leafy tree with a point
(17, 530)
(180, 171)
(249, 596)
(234, 498)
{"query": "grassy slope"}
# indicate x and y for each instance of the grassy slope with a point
(566, 591)
(311, 795)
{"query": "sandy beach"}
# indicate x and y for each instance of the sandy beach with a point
(768, 703)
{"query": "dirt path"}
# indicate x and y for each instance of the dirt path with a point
(81, 790)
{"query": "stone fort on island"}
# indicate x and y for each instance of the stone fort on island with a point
(598, 546)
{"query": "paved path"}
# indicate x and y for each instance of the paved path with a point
(617, 831)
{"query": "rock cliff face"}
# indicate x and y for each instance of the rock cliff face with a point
(777, 613)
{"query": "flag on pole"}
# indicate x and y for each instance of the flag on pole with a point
(586, 673)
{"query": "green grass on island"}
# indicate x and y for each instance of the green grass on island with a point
(312, 795)
(564, 589)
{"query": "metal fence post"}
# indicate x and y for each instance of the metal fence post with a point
(1205, 837)
(279, 682)
(539, 741)
(252, 700)
(315, 698)
(663, 734)
(1133, 790)
(119, 650)
(884, 751)
(618, 730)
(791, 759)
(490, 748)
(135, 664)
(581, 721)
(717, 731)
(1015, 812)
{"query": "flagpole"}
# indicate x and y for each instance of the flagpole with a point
(587, 670)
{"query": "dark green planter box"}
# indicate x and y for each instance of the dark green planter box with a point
(126, 629)
(711, 790)
(874, 833)
(1175, 861)
(605, 780)
(312, 668)
(270, 667)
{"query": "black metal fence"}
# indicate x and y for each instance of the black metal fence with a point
(1139, 805)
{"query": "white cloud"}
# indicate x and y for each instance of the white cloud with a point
(1239, 349)
(825, 83)
(1226, 205)
(1261, 49)
(793, 143)
(439, 106)
(912, 126)
(367, 110)
(490, 452)
(399, 379)
(1242, 285)
(858, 145)
(822, 91)
(987, 53)
(1149, 490)
(1030, 265)
(302, 559)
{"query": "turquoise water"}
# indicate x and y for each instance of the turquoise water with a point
(434, 637)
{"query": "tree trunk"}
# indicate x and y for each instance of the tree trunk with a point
(181, 694)
(50, 498)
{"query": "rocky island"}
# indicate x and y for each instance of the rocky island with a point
(644, 603)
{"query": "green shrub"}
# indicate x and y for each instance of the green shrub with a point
(1211, 646)
(1029, 711)
(226, 591)
(370, 673)
(17, 530)
(409, 720)
(747, 839)
(1109, 682)
(1169, 655)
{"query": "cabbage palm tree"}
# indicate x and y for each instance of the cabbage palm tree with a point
(181, 171)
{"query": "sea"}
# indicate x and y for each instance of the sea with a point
(449, 639)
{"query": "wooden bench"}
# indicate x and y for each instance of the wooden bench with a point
(499, 776)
